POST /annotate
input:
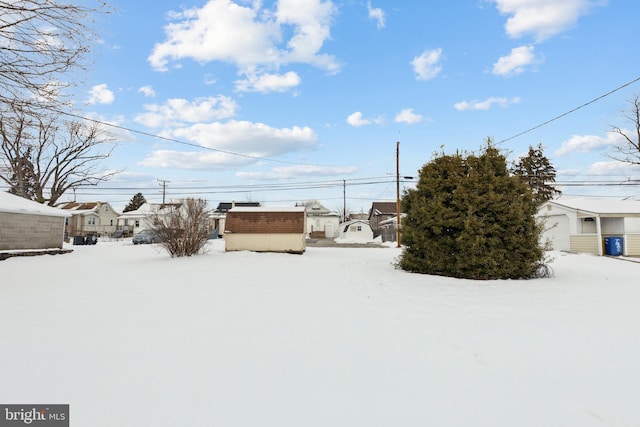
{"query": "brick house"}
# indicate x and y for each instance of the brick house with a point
(30, 225)
(262, 229)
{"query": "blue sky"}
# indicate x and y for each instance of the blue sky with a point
(285, 101)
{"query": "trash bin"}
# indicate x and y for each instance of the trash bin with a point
(78, 240)
(613, 246)
(91, 239)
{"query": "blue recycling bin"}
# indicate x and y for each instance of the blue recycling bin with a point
(613, 246)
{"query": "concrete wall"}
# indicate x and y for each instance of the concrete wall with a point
(271, 242)
(24, 231)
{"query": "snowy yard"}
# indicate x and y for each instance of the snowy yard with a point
(335, 337)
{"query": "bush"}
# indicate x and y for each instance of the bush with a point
(469, 218)
(183, 230)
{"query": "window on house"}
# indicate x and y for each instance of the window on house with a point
(137, 223)
(126, 222)
(111, 222)
(91, 220)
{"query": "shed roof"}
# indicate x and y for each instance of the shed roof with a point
(11, 203)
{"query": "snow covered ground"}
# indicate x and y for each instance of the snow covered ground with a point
(335, 337)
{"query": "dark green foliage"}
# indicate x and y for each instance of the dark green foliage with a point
(469, 218)
(136, 201)
(538, 173)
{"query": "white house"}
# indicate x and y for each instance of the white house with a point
(321, 222)
(133, 222)
(581, 224)
(358, 231)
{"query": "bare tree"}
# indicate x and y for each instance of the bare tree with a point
(41, 158)
(628, 151)
(182, 230)
(41, 43)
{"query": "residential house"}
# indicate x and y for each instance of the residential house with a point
(321, 222)
(30, 225)
(389, 228)
(379, 212)
(90, 218)
(218, 216)
(133, 222)
(582, 224)
(358, 231)
(266, 229)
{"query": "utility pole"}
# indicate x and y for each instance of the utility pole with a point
(398, 191)
(344, 200)
(163, 182)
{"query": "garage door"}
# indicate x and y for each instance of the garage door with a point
(557, 232)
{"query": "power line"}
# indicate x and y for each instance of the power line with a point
(570, 111)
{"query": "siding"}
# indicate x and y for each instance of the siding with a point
(24, 231)
(584, 243)
(632, 244)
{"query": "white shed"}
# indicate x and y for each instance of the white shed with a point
(357, 231)
(581, 224)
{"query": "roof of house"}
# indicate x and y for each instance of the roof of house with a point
(10, 203)
(150, 209)
(383, 208)
(599, 205)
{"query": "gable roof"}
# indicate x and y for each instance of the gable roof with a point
(383, 208)
(10, 203)
(599, 205)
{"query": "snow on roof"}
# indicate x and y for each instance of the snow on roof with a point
(268, 209)
(11, 203)
(599, 205)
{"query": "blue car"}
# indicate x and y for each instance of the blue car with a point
(146, 236)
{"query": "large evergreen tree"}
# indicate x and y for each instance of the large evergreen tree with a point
(469, 218)
(538, 173)
(136, 201)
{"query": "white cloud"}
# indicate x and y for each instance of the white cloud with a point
(251, 37)
(542, 18)
(427, 65)
(588, 143)
(269, 83)
(251, 140)
(612, 168)
(515, 62)
(178, 111)
(377, 15)
(100, 94)
(147, 91)
(356, 120)
(289, 172)
(486, 104)
(408, 116)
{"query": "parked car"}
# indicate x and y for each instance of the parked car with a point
(145, 236)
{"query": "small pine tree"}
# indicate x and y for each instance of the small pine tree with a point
(136, 201)
(468, 218)
(538, 173)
